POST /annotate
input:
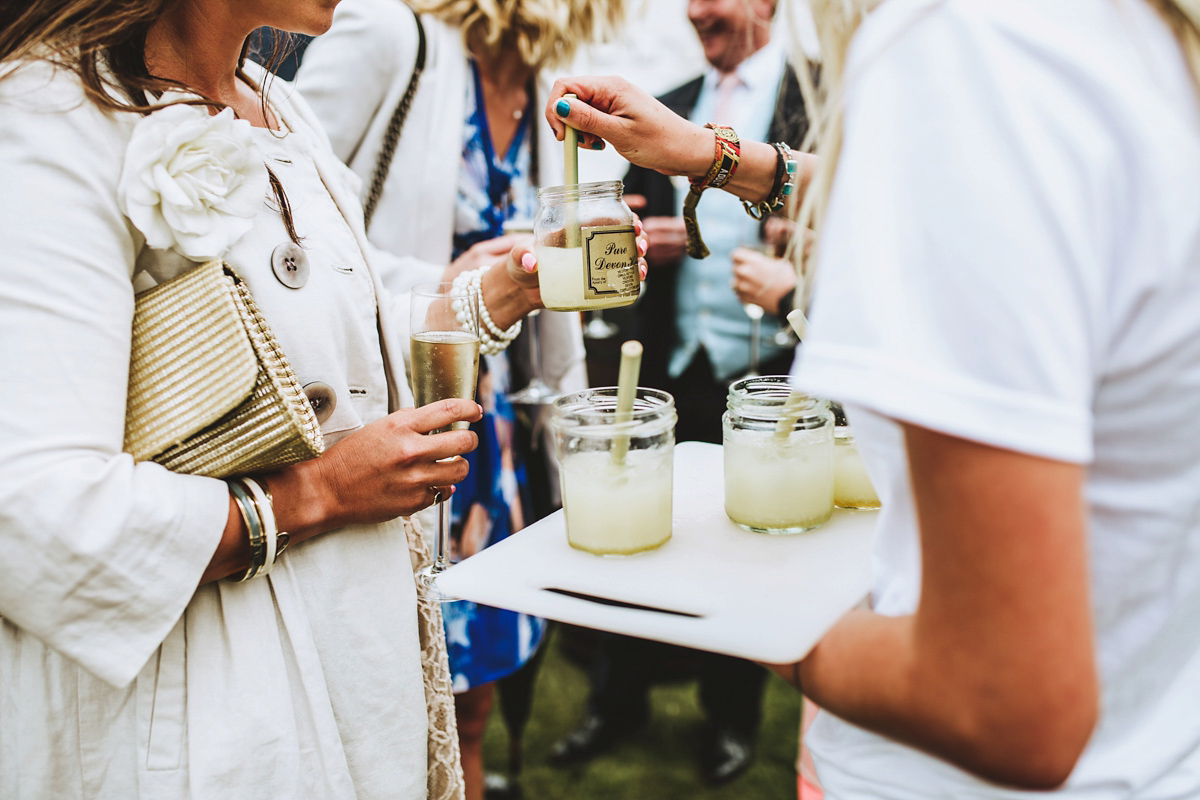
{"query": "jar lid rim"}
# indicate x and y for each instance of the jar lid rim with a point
(593, 187)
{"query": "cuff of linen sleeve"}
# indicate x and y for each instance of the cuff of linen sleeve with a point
(115, 646)
(949, 404)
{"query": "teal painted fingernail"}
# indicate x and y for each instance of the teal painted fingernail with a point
(597, 145)
(562, 108)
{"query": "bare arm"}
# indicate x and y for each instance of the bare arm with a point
(387, 470)
(995, 672)
(650, 135)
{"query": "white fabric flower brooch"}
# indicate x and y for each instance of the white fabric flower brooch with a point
(192, 181)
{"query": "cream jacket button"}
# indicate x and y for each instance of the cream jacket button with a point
(290, 264)
(321, 398)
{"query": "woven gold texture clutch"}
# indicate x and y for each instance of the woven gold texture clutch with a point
(210, 391)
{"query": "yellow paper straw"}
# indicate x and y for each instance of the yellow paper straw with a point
(570, 152)
(798, 322)
(792, 408)
(571, 178)
(627, 382)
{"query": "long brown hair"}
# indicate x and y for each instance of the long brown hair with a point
(104, 43)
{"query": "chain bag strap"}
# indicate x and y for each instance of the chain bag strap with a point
(391, 136)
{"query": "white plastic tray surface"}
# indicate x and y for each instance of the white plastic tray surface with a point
(713, 586)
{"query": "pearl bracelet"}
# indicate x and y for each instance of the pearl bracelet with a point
(492, 340)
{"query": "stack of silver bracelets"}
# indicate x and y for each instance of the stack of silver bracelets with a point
(267, 542)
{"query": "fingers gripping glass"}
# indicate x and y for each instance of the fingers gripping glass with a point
(444, 342)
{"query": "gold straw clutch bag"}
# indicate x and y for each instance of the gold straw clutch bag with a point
(210, 391)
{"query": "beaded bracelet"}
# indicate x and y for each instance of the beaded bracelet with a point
(254, 529)
(781, 187)
(492, 340)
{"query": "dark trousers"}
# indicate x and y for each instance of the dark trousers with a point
(700, 397)
(624, 669)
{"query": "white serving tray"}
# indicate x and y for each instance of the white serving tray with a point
(713, 586)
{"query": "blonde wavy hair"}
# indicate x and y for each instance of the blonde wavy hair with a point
(547, 33)
(836, 22)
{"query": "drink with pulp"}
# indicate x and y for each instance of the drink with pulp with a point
(778, 485)
(617, 508)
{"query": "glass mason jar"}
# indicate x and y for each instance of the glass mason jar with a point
(586, 247)
(778, 457)
(851, 485)
(615, 471)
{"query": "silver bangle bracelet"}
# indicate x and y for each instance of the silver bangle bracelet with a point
(266, 513)
(254, 529)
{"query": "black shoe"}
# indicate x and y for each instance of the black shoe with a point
(724, 755)
(593, 736)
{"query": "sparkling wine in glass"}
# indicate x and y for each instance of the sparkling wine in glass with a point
(444, 345)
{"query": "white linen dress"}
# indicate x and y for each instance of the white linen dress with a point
(118, 677)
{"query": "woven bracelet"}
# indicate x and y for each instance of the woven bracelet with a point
(781, 187)
(726, 159)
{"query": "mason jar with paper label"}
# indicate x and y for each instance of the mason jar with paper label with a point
(778, 452)
(586, 247)
(616, 469)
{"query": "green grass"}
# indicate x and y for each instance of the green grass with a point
(658, 763)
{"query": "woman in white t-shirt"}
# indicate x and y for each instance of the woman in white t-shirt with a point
(1009, 271)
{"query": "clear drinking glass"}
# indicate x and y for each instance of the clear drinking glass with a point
(444, 342)
(754, 311)
(616, 470)
(586, 247)
(778, 452)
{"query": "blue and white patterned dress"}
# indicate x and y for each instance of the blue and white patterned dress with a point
(486, 643)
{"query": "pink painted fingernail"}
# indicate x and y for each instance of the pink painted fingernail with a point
(642, 247)
(528, 262)
(642, 271)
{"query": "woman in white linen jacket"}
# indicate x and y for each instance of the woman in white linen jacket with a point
(128, 669)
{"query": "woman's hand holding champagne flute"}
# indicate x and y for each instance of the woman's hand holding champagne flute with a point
(444, 340)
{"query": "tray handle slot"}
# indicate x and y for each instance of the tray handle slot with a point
(608, 601)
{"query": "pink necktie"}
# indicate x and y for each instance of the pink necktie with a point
(727, 84)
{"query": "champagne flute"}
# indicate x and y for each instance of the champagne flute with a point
(444, 342)
(754, 311)
(598, 327)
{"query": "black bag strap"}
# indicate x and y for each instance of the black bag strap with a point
(391, 136)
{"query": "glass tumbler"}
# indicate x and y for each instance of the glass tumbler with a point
(852, 486)
(616, 470)
(586, 247)
(778, 451)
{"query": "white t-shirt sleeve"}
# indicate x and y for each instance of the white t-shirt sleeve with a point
(958, 278)
(99, 556)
